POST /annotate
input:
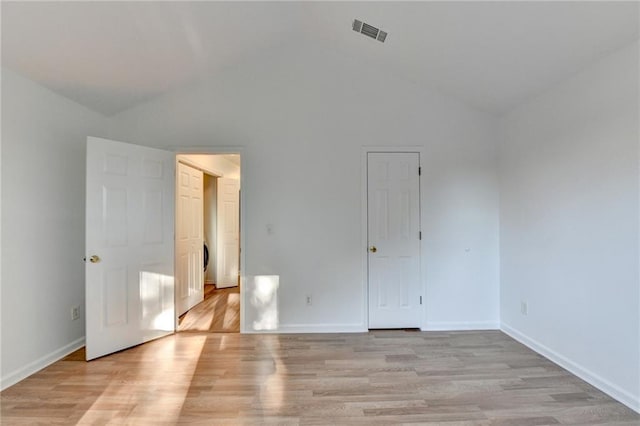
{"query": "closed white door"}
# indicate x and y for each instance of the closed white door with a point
(189, 238)
(129, 286)
(228, 261)
(393, 209)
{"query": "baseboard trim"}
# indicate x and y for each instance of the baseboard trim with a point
(313, 328)
(604, 385)
(37, 365)
(460, 325)
(361, 328)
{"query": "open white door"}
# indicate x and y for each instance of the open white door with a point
(129, 285)
(189, 238)
(393, 212)
(228, 261)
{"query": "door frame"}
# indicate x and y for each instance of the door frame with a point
(222, 150)
(364, 231)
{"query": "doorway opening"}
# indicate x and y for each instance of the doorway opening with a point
(207, 242)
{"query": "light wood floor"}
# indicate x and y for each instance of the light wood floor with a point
(382, 377)
(219, 312)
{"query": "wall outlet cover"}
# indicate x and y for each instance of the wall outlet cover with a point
(75, 313)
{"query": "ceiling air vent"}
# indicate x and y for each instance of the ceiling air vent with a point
(369, 30)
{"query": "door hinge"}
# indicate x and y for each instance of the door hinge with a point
(419, 171)
(419, 235)
(421, 300)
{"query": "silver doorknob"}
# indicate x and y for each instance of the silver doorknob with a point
(373, 249)
(94, 259)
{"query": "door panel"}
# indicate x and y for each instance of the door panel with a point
(129, 223)
(393, 215)
(228, 232)
(189, 238)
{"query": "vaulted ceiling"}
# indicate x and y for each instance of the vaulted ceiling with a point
(110, 56)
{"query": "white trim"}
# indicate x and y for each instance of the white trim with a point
(364, 150)
(187, 161)
(588, 376)
(314, 328)
(460, 325)
(364, 243)
(637, 404)
(37, 365)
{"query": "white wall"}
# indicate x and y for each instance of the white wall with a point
(569, 224)
(43, 169)
(301, 118)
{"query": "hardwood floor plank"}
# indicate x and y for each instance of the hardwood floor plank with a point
(381, 377)
(219, 312)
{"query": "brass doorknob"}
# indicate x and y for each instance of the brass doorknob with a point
(373, 249)
(94, 259)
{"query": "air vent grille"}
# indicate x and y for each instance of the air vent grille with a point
(369, 30)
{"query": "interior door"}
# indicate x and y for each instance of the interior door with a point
(129, 286)
(393, 210)
(189, 238)
(228, 261)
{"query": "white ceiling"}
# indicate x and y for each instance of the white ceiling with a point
(110, 56)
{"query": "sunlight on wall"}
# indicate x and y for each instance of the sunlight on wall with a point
(156, 296)
(262, 294)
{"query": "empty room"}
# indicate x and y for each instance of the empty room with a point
(320, 213)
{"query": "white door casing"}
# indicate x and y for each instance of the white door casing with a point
(393, 232)
(228, 245)
(129, 286)
(189, 238)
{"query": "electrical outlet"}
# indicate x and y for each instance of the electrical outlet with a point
(524, 310)
(309, 300)
(75, 313)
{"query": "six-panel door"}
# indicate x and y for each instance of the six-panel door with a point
(393, 209)
(129, 286)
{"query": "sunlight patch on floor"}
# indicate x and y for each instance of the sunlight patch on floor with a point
(231, 313)
(146, 394)
(272, 389)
